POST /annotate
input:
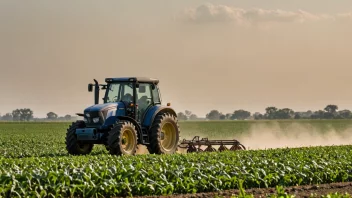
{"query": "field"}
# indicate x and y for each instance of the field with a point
(34, 162)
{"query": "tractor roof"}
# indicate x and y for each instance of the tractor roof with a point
(133, 79)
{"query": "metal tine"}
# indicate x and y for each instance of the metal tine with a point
(195, 144)
(235, 147)
(223, 148)
(210, 148)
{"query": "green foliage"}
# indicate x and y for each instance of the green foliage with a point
(34, 163)
(51, 116)
(105, 175)
(18, 140)
(22, 114)
(48, 138)
(274, 113)
(240, 115)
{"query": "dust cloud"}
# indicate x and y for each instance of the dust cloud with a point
(271, 136)
(296, 135)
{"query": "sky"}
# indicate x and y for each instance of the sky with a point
(223, 54)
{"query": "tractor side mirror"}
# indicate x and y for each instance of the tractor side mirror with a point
(90, 87)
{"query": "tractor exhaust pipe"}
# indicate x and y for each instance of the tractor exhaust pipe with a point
(96, 91)
(96, 94)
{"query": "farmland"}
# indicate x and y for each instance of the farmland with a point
(33, 160)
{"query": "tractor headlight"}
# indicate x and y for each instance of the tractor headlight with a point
(96, 120)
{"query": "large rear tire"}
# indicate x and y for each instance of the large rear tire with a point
(122, 139)
(164, 134)
(73, 146)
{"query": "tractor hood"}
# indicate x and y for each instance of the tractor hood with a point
(101, 107)
(95, 115)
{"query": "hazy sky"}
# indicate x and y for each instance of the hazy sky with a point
(222, 54)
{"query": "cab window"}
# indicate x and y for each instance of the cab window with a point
(144, 98)
(156, 95)
(127, 94)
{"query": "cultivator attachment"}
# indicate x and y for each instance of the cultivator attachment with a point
(195, 144)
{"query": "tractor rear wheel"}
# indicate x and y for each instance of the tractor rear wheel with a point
(122, 139)
(73, 146)
(164, 134)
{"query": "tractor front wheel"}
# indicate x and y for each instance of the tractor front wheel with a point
(73, 146)
(122, 139)
(164, 134)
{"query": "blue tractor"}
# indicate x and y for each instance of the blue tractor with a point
(131, 114)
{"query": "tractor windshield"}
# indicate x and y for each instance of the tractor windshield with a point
(118, 91)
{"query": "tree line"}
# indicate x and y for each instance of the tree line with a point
(329, 112)
(271, 113)
(215, 115)
(26, 114)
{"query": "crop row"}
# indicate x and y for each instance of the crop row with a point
(30, 139)
(105, 175)
(18, 140)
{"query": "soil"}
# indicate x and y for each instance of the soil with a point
(298, 191)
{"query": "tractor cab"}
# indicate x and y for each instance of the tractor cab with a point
(136, 94)
(131, 113)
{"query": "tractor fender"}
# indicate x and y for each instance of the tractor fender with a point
(138, 127)
(154, 111)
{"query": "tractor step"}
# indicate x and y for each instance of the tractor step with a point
(145, 137)
(190, 145)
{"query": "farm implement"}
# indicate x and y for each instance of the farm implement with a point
(132, 114)
(195, 145)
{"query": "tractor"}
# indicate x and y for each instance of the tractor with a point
(131, 114)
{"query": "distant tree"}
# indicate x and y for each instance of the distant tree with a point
(284, 113)
(51, 116)
(297, 115)
(240, 114)
(181, 116)
(188, 113)
(228, 116)
(22, 114)
(7, 117)
(331, 108)
(68, 117)
(306, 114)
(318, 114)
(345, 114)
(26, 114)
(193, 117)
(258, 116)
(330, 111)
(213, 115)
(222, 116)
(16, 115)
(270, 112)
(309, 113)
